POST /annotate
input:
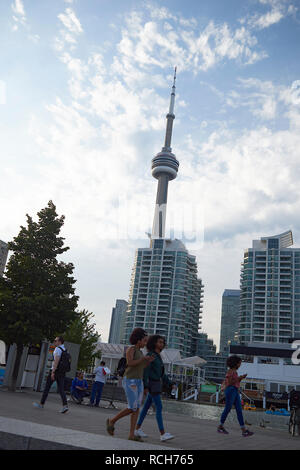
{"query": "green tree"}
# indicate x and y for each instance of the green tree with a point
(83, 331)
(37, 295)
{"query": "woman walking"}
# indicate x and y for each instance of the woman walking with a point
(154, 375)
(133, 382)
(231, 386)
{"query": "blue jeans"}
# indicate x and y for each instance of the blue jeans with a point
(96, 392)
(79, 394)
(134, 389)
(233, 398)
(158, 406)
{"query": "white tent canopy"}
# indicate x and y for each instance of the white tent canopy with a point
(169, 356)
(195, 361)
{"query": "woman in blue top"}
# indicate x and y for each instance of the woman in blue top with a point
(79, 388)
(154, 376)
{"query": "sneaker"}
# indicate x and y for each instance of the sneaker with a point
(38, 405)
(222, 430)
(166, 436)
(64, 409)
(139, 432)
(247, 433)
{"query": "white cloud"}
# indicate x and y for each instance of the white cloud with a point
(70, 21)
(279, 10)
(18, 8)
(19, 16)
(157, 43)
(20, 19)
(68, 35)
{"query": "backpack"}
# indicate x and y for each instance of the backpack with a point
(295, 398)
(122, 364)
(64, 364)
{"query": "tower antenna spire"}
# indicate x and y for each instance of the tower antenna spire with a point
(164, 169)
(170, 117)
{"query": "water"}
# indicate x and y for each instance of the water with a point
(214, 413)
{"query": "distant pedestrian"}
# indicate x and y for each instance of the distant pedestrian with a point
(100, 379)
(133, 382)
(154, 377)
(60, 365)
(79, 388)
(174, 391)
(231, 386)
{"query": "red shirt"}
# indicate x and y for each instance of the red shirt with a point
(231, 379)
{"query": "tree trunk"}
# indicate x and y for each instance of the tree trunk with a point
(13, 384)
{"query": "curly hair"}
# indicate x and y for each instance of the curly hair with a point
(151, 343)
(137, 335)
(233, 361)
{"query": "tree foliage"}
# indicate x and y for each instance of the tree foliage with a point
(37, 295)
(83, 331)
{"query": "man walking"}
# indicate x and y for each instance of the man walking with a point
(98, 385)
(57, 374)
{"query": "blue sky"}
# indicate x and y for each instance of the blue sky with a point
(84, 89)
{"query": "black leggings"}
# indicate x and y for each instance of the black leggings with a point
(60, 380)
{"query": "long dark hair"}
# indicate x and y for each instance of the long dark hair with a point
(151, 343)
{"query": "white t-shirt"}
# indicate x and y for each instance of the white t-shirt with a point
(100, 376)
(57, 353)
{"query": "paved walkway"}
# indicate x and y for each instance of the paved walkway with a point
(191, 433)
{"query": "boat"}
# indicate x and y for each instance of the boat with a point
(249, 407)
(281, 412)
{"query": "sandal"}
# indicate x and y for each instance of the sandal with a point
(109, 427)
(135, 438)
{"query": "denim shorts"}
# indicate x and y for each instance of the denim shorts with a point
(134, 389)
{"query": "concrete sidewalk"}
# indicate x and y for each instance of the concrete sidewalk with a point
(84, 427)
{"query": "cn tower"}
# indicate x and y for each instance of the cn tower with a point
(165, 291)
(164, 169)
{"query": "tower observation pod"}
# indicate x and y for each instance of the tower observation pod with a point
(164, 168)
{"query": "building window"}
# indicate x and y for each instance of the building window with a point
(273, 387)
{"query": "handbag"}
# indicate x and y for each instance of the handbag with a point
(155, 387)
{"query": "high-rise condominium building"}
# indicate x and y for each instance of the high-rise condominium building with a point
(117, 321)
(270, 291)
(3, 256)
(230, 317)
(165, 294)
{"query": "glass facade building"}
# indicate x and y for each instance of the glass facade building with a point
(229, 318)
(117, 321)
(215, 367)
(270, 291)
(166, 295)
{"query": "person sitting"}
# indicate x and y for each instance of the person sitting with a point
(79, 388)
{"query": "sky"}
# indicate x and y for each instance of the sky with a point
(84, 91)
